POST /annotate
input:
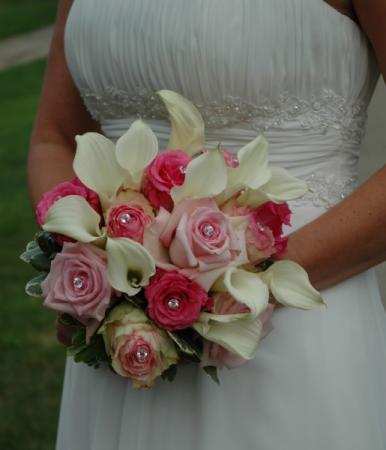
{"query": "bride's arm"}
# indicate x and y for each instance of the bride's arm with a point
(60, 116)
(351, 237)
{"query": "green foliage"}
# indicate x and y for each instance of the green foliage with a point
(20, 16)
(33, 287)
(212, 372)
(91, 353)
(189, 343)
(170, 373)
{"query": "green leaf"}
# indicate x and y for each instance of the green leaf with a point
(67, 320)
(212, 372)
(33, 287)
(32, 249)
(35, 256)
(170, 373)
(47, 243)
(136, 300)
(91, 353)
(265, 264)
(186, 343)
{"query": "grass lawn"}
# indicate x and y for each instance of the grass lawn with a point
(32, 361)
(19, 16)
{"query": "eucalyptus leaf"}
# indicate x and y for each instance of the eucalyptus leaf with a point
(41, 262)
(170, 373)
(33, 287)
(212, 372)
(47, 243)
(136, 300)
(187, 347)
(32, 249)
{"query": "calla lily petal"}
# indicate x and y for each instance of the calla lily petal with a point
(281, 187)
(187, 125)
(247, 288)
(136, 149)
(96, 166)
(129, 265)
(206, 177)
(290, 285)
(73, 217)
(239, 336)
(253, 170)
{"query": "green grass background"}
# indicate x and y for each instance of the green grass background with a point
(32, 362)
(19, 16)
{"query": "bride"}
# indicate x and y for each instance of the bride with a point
(302, 72)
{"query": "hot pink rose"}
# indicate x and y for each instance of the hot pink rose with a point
(127, 220)
(273, 216)
(204, 237)
(174, 301)
(165, 171)
(216, 355)
(77, 283)
(72, 187)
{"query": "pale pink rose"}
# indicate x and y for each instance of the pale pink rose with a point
(216, 355)
(127, 220)
(199, 260)
(72, 187)
(230, 159)
(203, 237)
(174, 301)
(139, 350)
(165, 171)
(77, 283)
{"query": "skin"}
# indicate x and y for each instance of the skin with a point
(342, 242)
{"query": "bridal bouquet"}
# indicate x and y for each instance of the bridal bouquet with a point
(155, 259)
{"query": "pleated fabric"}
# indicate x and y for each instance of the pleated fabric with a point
(319, 378)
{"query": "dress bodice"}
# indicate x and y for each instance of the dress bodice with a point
(297, 70)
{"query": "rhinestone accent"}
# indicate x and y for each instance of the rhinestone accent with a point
(125, 218)
(326, 190)
(142, 354)
(321, 111)
(78, 282)
(174, 303)
(208, 230)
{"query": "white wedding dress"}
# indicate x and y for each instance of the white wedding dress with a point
(303, 74)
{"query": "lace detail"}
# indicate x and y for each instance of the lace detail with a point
(326, 190)
(321, 111)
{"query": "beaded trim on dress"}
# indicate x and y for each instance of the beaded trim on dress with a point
(323, 110)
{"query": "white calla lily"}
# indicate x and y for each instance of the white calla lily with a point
(247, 288)
(72, 216)
(253, 170)
(129, 265)
(238, 335)
(290, 285)
(136, 149)
(281, 187)
(187, 125)
(96, 166)
(206, 177)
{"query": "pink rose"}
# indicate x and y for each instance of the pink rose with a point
(72, 187)
(127, 220)
(216, 355)
(77, 283)
(165, 171)
(204, 237)
(139, 350)
(174, 301)
(273, 216)
(260, 242)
